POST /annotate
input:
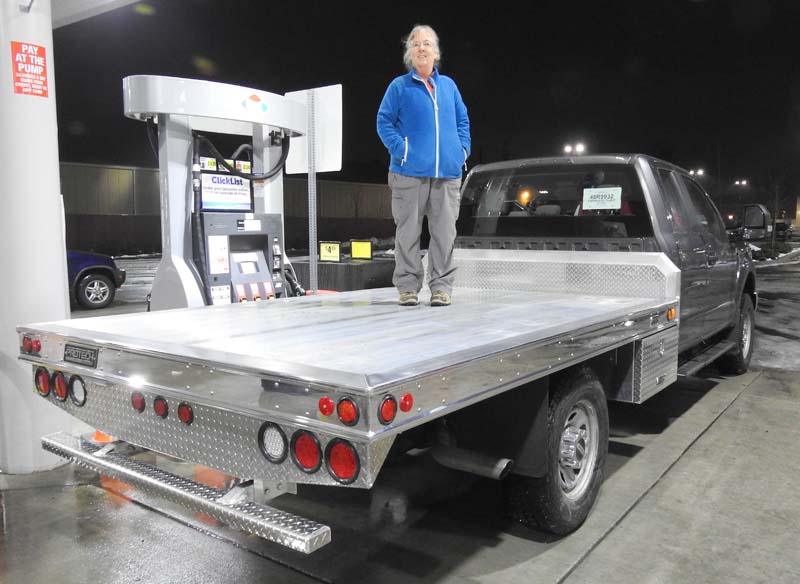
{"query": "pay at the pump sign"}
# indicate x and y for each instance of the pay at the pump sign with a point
(29, 67)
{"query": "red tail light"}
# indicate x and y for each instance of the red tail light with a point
(138, 401)
(27, 344)
(406, 402)
(42, 380)
(36, 345)
(342, 460)
(160, 407)
(347, 411)
(388, 410)
(185, 413)
(326, 406)
(60, 388)
(306, 451)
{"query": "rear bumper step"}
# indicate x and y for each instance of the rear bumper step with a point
(268, 523)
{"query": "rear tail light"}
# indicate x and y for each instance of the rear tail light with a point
(388, 410)
(77, 390)
(138, 401)
(185, 413)
(60, 388)
(326, 406)
(27, 344)
(160, 407)
(347, 411)
(36, 345)
(406, 402)
(342, 461)
(272, 442)
(42, 380)
(306, 451)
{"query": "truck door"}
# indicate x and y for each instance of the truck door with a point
(691, 260)
(711, 241)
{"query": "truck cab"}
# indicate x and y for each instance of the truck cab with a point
(627, 203)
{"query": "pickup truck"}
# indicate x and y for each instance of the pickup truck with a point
(580, 280)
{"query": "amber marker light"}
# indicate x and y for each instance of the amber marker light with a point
(671, 313)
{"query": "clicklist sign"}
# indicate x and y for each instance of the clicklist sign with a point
(224, 192)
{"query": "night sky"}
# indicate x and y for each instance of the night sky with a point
(707, 84)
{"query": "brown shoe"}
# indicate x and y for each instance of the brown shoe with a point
(440, 299)
(408, 299)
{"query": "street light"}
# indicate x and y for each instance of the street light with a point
(578, 148)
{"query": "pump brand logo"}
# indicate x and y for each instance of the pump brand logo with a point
(80, 355)
(254, 102)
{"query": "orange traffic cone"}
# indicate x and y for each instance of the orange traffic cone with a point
(102, 437)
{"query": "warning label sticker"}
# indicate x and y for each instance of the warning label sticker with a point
(29, 66)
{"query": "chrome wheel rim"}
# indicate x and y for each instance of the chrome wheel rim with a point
(577, 454)
(747, 330)
(96, 292)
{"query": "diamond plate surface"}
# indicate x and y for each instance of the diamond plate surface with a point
(613, 274)
(267, 522)
(655, 364)
(217, 438)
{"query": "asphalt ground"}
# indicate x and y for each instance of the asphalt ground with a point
(699, 488)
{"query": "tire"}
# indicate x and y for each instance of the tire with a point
(560, 501)
(737, 361)
(95, 291)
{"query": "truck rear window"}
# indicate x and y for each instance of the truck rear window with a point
(598, 201)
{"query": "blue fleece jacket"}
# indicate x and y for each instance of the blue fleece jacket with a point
(426, 135)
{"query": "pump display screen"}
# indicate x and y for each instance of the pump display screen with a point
(248, 267)
(225, 192)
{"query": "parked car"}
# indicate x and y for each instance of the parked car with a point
(93, 278)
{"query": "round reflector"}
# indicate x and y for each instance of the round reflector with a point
(77, 390)
(272, 442)
(60, 389)
(388, 410)
(306, 452)
(347, 411)
(406, 402)
(185, 413)
(138, 401)
(36, 345)
(27, 344)
(160, 407)
(342, 461)
(42, 380)
(326, 406)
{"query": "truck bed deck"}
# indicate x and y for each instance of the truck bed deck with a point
(360, 339)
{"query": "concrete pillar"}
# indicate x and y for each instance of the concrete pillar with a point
(32, 250)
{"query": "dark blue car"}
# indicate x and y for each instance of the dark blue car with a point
(93, 278)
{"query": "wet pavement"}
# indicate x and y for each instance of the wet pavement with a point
(699, 488)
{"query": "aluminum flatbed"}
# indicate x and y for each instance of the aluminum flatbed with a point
(516, 316)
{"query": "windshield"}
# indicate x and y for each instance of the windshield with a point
(597, 201)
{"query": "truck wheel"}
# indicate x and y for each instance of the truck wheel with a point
(738, 360)
(577, 444)
(95, 291)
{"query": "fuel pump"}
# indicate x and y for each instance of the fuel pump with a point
(236, 251)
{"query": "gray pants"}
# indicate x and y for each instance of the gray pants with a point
(412, 199)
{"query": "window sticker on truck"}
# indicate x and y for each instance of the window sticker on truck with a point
(602, 198)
